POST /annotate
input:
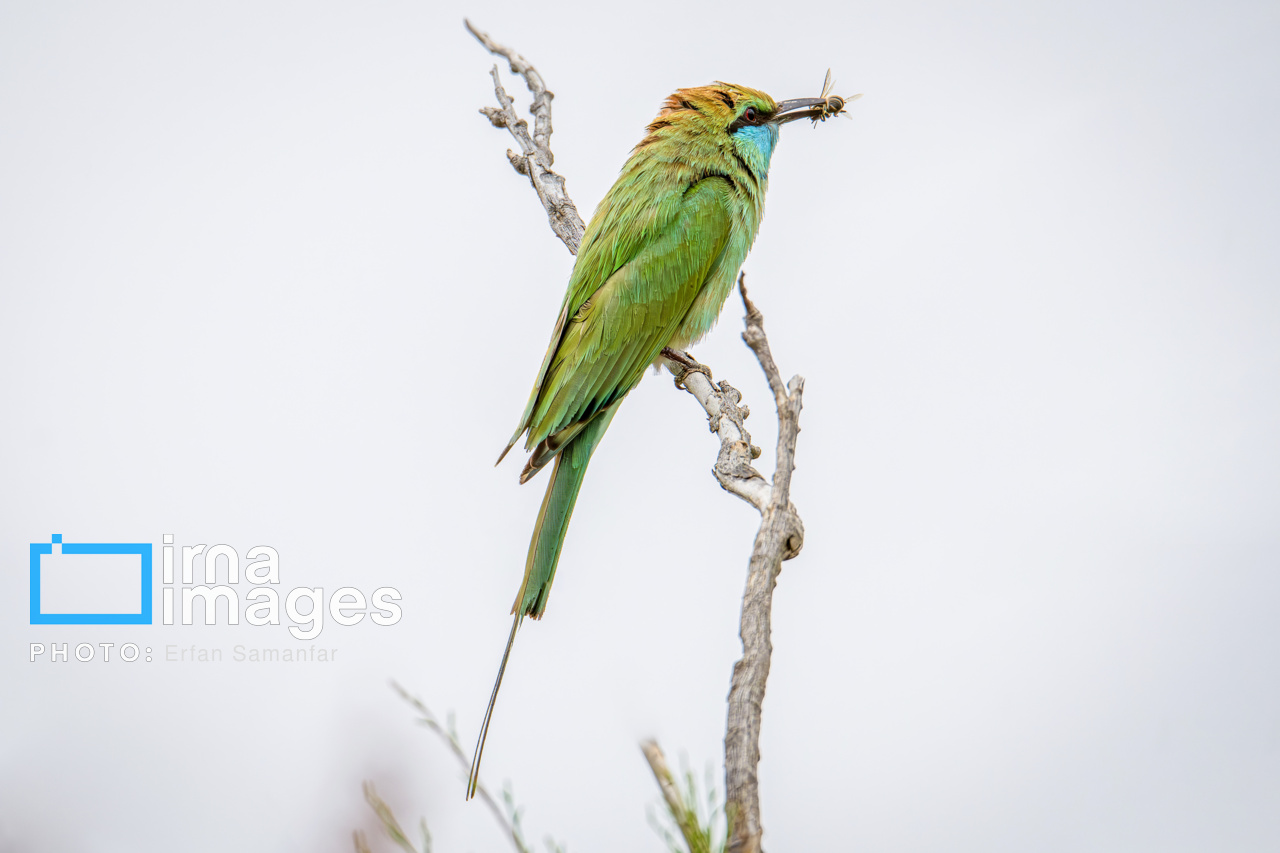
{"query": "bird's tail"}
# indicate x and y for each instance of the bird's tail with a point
(544, 551)
(553, 518)
(474, 780)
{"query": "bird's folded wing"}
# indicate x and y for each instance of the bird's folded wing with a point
(608, 334)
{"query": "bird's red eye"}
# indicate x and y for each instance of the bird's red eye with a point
(750, 114)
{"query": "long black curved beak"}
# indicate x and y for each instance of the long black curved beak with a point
(814, 108)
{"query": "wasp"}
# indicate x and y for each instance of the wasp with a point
(834, 104)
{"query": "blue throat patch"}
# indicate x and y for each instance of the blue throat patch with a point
(763, 136)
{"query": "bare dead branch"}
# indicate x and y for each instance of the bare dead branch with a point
(780, 537)
(733, 469)
(536, 157)
(755, 338)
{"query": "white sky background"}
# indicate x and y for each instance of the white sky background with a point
(267, 278)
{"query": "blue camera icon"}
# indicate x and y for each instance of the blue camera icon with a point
(90, 583)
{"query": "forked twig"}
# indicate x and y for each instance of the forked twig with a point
(536, 157)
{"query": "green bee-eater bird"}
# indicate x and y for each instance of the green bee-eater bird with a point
(656, 264)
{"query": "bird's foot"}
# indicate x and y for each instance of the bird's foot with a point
(687, 364)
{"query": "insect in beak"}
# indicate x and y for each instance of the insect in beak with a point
(820, 108)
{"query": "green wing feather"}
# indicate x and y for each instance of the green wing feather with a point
(645, 257)
(613, 334)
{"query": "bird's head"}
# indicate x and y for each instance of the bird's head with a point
(738, 121)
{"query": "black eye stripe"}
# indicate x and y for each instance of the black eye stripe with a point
(757, 117)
